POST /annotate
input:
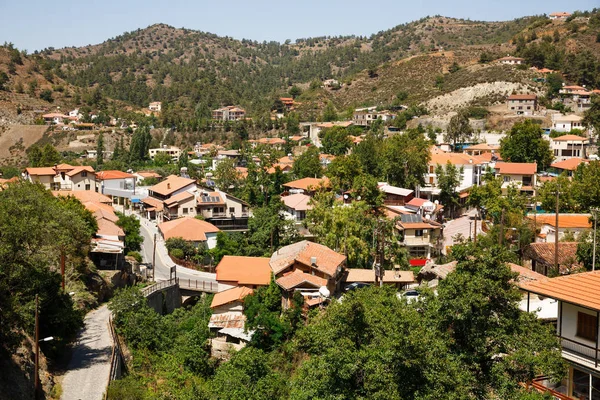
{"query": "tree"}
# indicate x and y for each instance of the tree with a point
(100, 149)
(568, 201)
(335, 140)
(268, 230)
(131, 226)
(292, 124)
(140, 144)
(459, 130)
(342, 171)
(585, 184)
(554, 82)
(448, 180)
(295, 91)
(308, 164)
(226, 175)
(585, 249)
(46, 95)
(3, 80)
(405, 159)
(329, 113)
(591, 118)
(525, 143)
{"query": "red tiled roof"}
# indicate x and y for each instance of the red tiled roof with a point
(179, 198)
(368, 276)
(190, 229)
(296, 278)
(327, 260)
(544, 254)
(40, 171)
(78, 170)
(570, 164)
(107, 175)
(570, 138)
(170, 185)
(564, 220)
(85, 196)
(582, 289)
(298, 202)
(508, 168)
(229, 296)
(308, 183)
(244, 270)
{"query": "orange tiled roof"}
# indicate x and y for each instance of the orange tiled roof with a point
(296, 278)
(308, 183)
(148, 174)
(570, 138)
(508, 168)
(190, 229)
(327, 260)
(40, 171)
(298, 202)
(179, 198)
(114, 174)
(153, 203)
(84, 196)
(244, 270)
(78, 170)
(564, 220)
(544, 254)
(453, 158)
(170, 185)
(581, 289)
(570, 164)
(368, 276)
(229, 296)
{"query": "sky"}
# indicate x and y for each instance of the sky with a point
(36, 24)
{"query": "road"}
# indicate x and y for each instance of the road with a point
(463, 225)
(88, 370)
(163, 261)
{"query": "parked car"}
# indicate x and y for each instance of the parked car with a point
(355, 285)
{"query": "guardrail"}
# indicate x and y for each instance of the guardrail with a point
(204, 286)
(147, 291)
(117, 363)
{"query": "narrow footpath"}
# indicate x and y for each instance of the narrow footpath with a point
(88, 370)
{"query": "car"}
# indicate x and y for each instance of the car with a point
(410, 295)
(355, 285)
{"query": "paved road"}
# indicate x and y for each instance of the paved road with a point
(89, 367)
(463, 225)
(163, 261)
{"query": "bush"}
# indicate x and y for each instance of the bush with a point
(136, 255)
(177, 253)
(46, 94)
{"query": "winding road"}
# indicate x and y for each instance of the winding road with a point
(88, 370)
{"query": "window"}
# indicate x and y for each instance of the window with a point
(587, 326)
(185, 211)
(431, 169)
(232, 210)
(507, 179)
(87, 186)
(83, 173)
(419, 232)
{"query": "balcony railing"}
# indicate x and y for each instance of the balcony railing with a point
(582, 350)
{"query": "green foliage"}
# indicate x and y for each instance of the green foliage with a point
(131, 226)
(448, 180)
(554, 82)
(586, 187)
(329, 113)
(226, 175)
(477, 112)
(459, 130)
(591, 117)
(585, 249)
(342, 171)
(136, 255)
(568, 201)
(295, 91)
(308, 164)
(335, 140)
(100, 149)
(404, 159)
(47, 156)
(140, 144)
(180, 248)
(525, 143)
(3, 80)
(46, 95)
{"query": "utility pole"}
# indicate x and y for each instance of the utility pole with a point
(37, 348)
(595, 214)
(154, 260)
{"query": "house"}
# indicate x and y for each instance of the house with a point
(539, 257)
(559, 15)
(522, 175)
(85, 196)
(508, 60)
(306, 267)
(118, 185)
(152, 208)
(572, 223)
(55, 118)
(569, 165)
(566, 147)
(141, 176)
(288, 102)
(108, 244)
(228, 322)
(42, 175)
(472, 167)
(399, 279)
(395, 196)
(193, 230)
(229, 113)
(521, 104)
(331, 83)
(63, 177)
(566, 123)
(481, 149)
(172, 186)
(155, 106)
(422, 237)
(172, 151)
(223, 210)
(182, 204)
(362, 117)
(578, 297)
(307, 185)
(248, 272)
(296, 206)
(432, 272)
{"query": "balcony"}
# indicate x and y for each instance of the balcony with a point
(580, 353)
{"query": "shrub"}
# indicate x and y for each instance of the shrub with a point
(136, 255)
(177, 253)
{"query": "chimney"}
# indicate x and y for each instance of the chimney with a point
(313, 261)
(168, 185)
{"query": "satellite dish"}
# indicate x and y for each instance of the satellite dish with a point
(428, 206)
(346, 197)
(323, 291)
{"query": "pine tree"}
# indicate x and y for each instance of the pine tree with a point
(100, 149)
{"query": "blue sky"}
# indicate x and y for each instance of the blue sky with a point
(36, 24)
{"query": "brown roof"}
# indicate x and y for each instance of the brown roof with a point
(179, 198)
(419, 225)
(230, 319)
(298, 202)
(525, 274)
(170, 185)
(327, 260)
(107, 175)
(508, 168)
(107, 227)
(148, 174)
(564, 220)
(85, 196)
(453, 158)
(41, 171)
(522, 97)
(582, 289)
(570, 138)
(244, 270)
(190, 229)
(570, 164)
(368, 276)
(229, 296)
(483, 146)
(153, 203)
(544, 254)
(308, 183)
(78, 170)
(296, 278)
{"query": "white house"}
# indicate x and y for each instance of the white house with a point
(522, 175)
(471, 166)
(193, 230)
(559, 15)
(155, 106)
(578, 297)
(508, 60)
(569, 146)
(296, 206)
(566, 123)
(172, 151)
(572, 223)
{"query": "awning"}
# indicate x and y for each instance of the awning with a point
(418, 262)
(135, 200)
(463, 195)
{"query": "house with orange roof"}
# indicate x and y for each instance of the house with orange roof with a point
(43, 175)
(118, 185)
(140, 176)
(307, 185)
(180, 205)
(521, 104)
(171, 186)
(248, 272)
(572, 223)
(229, 113)
(472, 167)
(566, 147)
(306, 267)
(63, 177)
(559, 15)
(539, 257)
(481, 148)
(422, 237)
(296, 206)
(55, 118)
(521, 175)
(223, 210)
(569, 166)
(396, 278)
(193, 230)
(577, 326)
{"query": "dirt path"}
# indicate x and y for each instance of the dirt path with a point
(88, 370)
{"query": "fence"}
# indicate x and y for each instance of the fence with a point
(203, 286)
(117, 363)
(147, 291)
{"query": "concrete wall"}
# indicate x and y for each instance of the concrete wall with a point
(165, 301)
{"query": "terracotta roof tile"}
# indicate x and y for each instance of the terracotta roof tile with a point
(327, 260)
(84, 196)
(570, 138)
(297, 278)
(229, 296)
(107, 175)
(190, 229)
(308, 183)
(298, 202)
(368, 276)
(570, 164)
(508, 168)
(564, 220)
(78, 170)
(41, 171)
(581, 289)
(544, 254)
(170, 185)
(244, 270)
(179, 198)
